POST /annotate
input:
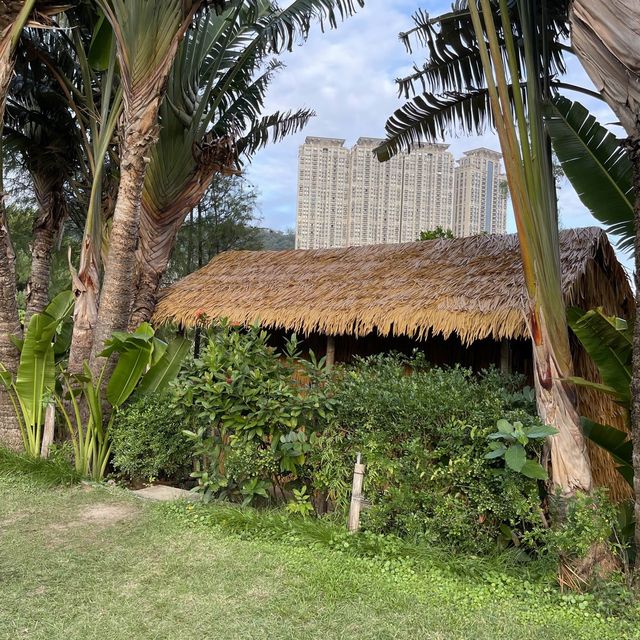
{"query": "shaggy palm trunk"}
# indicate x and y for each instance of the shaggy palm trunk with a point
(556, 403)
(9, 321)
(152, 259)
(117, 293)
(606, 39)
(46, 230)
(158, 231)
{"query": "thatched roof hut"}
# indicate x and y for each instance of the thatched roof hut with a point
(469, 286)
(467, 291)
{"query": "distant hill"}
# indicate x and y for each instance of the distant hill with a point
(274, 240)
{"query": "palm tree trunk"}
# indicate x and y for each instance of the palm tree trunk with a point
(633, 144)
(557, 406)
(117, 293)
(46, 230)
(158, 231)
(9, 321)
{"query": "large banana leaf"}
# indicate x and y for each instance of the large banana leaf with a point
(595, 163)
(608, 341)
(167, 367)
(616, 442)
(136, 353)
(35, 376)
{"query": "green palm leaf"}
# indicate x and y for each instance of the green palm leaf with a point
(429, 117)
(596, 164)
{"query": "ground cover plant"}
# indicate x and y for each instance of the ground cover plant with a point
(126, 568)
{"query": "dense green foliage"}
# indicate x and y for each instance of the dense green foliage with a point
(424, 439)
(147, 441)
(254, 415)
(272, 427)
(434, 234)
(56, 470)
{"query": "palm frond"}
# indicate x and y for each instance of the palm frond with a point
(429, 117)
(453, 76)
(273, 128)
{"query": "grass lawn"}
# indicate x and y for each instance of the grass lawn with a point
(93, 563)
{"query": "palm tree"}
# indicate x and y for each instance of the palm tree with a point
(40, 130)
(211, 115)
(486, 65)
(147, 35)
(15, 15)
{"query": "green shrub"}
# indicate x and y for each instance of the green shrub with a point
(253, 413)
(587, 520)
(148, 442)
(424, 440)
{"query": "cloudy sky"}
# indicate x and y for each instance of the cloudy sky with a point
(347, 77)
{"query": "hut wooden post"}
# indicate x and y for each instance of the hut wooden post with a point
(331, 352)
(356, 496)
(505, 356)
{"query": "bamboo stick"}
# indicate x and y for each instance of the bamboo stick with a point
(356, 496)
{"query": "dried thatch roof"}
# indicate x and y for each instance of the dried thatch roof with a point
(470, 286)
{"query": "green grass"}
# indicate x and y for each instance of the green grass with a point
(48, 472)
(89, 562)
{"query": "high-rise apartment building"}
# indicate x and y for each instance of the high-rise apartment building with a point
(480, 194)
(323, 182)
(346, 197)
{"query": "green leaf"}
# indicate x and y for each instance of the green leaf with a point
(101, 45)
(166, 369)
(541, 431)
(515, 457)
(496, 453)
(595, 163)
(125, 377)
(608, 340)
(613, 440)
(533, 469)
(35, 376)
(504, 426)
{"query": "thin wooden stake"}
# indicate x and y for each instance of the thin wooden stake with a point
(49, 426)
(356, 496)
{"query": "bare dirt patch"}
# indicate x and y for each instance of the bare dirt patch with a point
(91, 520)
(107, 514)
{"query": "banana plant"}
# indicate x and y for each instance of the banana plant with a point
(595, 163)
(34, 383)
(146, 364)
(608, 341)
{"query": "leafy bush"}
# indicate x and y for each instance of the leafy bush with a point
(253, 413)
(148, 442)
(266, 425)
(424, 438)
(588, 520)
